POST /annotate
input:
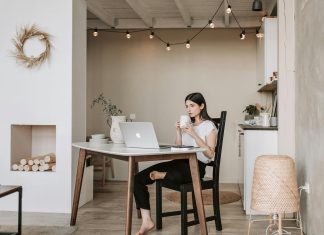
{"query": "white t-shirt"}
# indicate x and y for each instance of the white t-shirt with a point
(203, 130)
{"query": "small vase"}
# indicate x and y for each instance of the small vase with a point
(115, 132)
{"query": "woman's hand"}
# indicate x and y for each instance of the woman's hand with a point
(190, 130)
(177, 126)
(178, 140)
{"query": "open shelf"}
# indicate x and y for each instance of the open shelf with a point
(269, 87)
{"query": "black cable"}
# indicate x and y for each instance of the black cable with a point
(218, 9)
(236, 20)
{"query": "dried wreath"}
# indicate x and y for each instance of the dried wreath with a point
(20, 40)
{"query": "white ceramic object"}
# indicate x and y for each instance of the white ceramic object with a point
(273, 121)
(115, 132)
(99, 141)
(98, 136)
(184, 121)
(265, 119)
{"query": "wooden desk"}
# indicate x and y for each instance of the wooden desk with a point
(133, 156)
(6, 190)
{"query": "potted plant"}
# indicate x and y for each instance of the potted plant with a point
(113, 117)
(252, 111)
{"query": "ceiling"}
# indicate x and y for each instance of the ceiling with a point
(140, 14)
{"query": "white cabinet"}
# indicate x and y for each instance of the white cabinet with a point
(267, 51)
(256, 143)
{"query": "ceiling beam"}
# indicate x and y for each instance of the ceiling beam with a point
(102, 15)
(184, 12)
(177, 23)
(139, 8)
(226, 16)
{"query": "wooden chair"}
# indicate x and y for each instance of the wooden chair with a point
(101, 163)
(184, 188)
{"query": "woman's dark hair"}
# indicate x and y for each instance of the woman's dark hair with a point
(199, 99)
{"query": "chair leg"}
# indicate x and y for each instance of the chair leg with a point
(250, 223)
(158, 205)
(184, 215)
(103, 170)
(194, 206)
(112, 168)
(218, 221)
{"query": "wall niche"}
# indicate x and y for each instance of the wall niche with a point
(33, 148)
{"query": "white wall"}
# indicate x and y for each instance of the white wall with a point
(141, 77)
(40, 96)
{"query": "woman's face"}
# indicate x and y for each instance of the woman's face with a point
(193, 109)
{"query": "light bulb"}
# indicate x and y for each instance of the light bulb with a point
(168, 48)
(151, 35)
(258, 34)
(95, 32)
(242, 35)
(211, 24)
(229, 9)
(188, 44)
(128, 36)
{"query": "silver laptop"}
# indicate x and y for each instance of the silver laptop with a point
(140, 135)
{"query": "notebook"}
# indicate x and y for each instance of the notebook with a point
(140, 135)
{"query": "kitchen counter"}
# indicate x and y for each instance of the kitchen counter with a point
(257, 127)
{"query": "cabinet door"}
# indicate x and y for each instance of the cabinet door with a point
(256, 143)
(267, 51)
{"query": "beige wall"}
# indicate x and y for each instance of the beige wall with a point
(143, 78)
(310, 110)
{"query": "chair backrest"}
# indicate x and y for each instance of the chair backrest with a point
(220, 124)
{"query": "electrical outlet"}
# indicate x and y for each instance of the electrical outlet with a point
(306, 187)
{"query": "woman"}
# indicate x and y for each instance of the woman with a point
(201, 133)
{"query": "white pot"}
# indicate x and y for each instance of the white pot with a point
(265, 119)
(115, 132)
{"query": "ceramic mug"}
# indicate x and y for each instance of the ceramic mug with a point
(273, 121)
(184, 121)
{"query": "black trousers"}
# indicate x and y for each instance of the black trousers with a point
(177, 171)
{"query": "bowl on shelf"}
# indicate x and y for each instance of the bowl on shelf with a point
(98, 136)
(99, 141)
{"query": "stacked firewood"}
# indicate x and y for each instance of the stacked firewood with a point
(45, 162)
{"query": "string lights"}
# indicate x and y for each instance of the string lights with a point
(128, 36)
(242, 35)
(187, 43)
(211, 24)
(151, 35)
(95, 32)
(168, 48)
(258, 34)
(229, 9)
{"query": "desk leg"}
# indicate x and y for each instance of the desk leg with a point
(131, 168)
(198, 195)
(139, 215)
(78, 184)
(19, 210)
